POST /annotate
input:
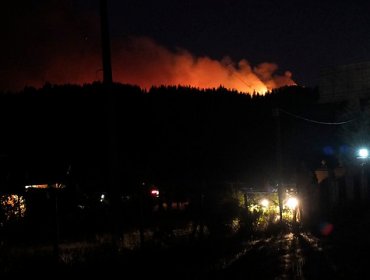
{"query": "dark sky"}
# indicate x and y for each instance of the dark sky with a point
(299, 36)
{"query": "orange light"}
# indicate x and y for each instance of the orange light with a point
(143, 62)
(180, 67)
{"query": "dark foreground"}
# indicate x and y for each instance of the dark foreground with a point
(339, 253)
(342, 253)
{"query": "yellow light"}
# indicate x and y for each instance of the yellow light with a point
(264, 202)
(13, 205)
(292, 202)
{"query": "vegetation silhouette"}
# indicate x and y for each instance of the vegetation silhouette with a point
(197, 146)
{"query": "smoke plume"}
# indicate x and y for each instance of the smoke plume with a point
(58, 42)
(143, 62)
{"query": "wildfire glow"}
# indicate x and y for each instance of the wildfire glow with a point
(59, 43)
(143, 62)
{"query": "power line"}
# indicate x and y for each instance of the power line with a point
(314, 121)
(237, 75)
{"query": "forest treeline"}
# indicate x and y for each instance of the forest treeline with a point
(167, 135)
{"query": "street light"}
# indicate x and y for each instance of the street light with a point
(363, 155)
(292, 203)
(264, 202)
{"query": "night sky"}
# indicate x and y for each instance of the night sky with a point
(154, 41)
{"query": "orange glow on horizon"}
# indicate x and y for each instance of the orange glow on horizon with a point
(143, 62)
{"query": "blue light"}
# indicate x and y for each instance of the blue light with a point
(328, 150)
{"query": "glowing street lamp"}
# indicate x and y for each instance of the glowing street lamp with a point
(363, 153)
(292, 203)
(264, 202)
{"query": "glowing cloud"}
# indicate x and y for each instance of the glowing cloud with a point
(57, 42)
(143, 62)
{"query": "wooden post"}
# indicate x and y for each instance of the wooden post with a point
(279, 161)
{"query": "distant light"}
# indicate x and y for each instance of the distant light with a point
(13, 206)
(292, 203)
(264, 202)
(102, 197)
(363, 153)
(154, 193)
(43, 186)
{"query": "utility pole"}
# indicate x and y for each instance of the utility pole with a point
(279, 160)
(111, 104)
(364, 191)
(106, 55)
(56, 249)
(111, 124)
